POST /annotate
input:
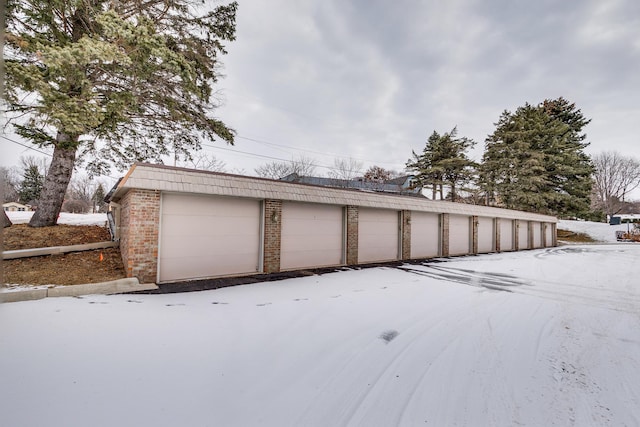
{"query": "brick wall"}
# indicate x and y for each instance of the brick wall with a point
(406, 235)
(474, 234)
(444, 229)
(272, 235)
(352, 235)
(531, 242)
(140, 219)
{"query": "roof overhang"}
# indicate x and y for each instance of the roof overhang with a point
(163, 178)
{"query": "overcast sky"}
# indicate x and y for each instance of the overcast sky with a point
(373, 79)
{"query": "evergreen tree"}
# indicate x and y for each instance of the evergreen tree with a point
(98, 199)
(114, 82)
(443, 161)
(534, 160)
(31, 186)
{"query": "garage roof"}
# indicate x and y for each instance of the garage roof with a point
(174, 179)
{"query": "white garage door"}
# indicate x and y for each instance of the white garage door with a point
(378, 235)
(206, 236)
(523, 235)
(425, 234)
(459, 235)
(506, 234)
(537, 234)
(486, 235)
(549, 234)
(312, 235)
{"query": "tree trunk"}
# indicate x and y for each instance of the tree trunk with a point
(434, 191)
(56, 182)
(6, 222)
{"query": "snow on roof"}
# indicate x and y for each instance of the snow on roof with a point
(174, 179)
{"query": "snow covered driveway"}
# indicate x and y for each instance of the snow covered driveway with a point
(546, 337)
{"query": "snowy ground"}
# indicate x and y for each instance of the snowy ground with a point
(64, 218)
(538, 338)
(599, 231)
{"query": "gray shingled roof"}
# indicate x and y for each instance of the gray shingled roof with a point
(172, 179)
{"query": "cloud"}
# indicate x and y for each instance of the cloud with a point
(371, 79)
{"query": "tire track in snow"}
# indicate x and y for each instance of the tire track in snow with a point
(425, 345)
(561, 292)
(344, 412)
(346, 408)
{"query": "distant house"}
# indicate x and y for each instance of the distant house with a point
(15, 207)
(624, 218)
(401, 185)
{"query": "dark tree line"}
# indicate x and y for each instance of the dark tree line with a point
(533, 161)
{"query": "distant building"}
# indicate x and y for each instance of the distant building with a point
(624, 218)
(401, 185)
(15, 207)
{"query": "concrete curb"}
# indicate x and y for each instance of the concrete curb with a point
(54, 250)
(105, 288)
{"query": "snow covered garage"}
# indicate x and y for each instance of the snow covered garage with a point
(178, 224)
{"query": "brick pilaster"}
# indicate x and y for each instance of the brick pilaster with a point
(406, 234)
(272, 235)
(531, 242)
(516, 234)
(496, 235)
(140, 219)
(474, 234)
(352, 235)
(444, 230)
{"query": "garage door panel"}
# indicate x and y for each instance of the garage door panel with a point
(378, 234)
(523, 235)
(537, 234)
(312, 235)
(185, 249)
(506, 235)
(549, 234)
(486, 235)
(459, 235)
(191, 267)
(298, 227)
(201, 225)
(207, 236)
(425, 235)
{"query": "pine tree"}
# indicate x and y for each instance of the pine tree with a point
(114, 82)
(31, 186)
(534, 160)
(98, 199)
(571, 171)
(443, 161)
